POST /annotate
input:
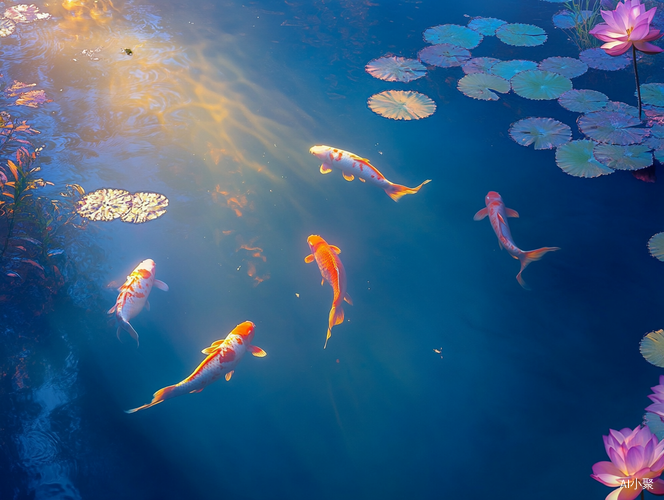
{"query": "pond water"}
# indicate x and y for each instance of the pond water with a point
(446, 380)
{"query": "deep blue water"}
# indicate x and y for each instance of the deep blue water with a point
(221, 97)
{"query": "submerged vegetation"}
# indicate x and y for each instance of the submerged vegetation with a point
(584, 15)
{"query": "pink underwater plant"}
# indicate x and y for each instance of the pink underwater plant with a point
(637, 461)
(628, 26)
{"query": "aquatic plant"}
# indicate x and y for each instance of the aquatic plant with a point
(454, 34)
(25, 13)
(628, 26)
(653, 94)
(480, 86)
(636, 455)
(598, 59)
(612, 127)
(652, 349)
(109, 204)
(486, 26)
(576, 158)
(507, 69)
(396, 69)
(444, 55)
(656, 246)
(7, 27)
(145, 207)
(479, 65)
(540, 85)
(577, 21)
(583, 101)
(623, 157)
(569, 67)
(521, 35)
(401, 105)
(544, 133)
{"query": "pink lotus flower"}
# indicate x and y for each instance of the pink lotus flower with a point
(637, 461)
(626, 26)
(658, 397)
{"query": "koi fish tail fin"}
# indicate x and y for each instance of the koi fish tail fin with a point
(531, 256)
(396, 191)
(336, 318)
(159, 397)
(125, 325)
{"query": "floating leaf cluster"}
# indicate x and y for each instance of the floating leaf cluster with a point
(544, 133)
(21, 14)
(110, 204)
(396, 69)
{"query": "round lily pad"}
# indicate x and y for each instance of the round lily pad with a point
(25, 13)
(566, 66)
(656, 246)
(480, 86)
(621, 107)
(479, 65)
(544, 133)
(104, 204)
(576, 158)
(566, 19)
(612, 127)
(539, 85)
(507, 69)
(401, 105)
(598, 59)
(145, 207)
(623, 157)
(486, 26)
(7, 27)
(444, 55)
(583, 101)
(653, 94)
(454, 34)
(652, 347)
(396, 69)
(521, 35)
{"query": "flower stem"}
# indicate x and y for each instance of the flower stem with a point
(642, 495)
(636, 74)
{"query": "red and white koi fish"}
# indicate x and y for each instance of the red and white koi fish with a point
(352, 165)
(498, 213)
(134, 296)
(332, 271)
(222, 358)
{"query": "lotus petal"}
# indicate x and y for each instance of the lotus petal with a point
(612, 127)
(521, 35)
(652, 347)
(653, 94)
(623, 157)
(567, 66)
(444, 55)
(545, 133)
(576, 158)
(454, 34)
(507, 69)
(479, 65)
(25, 13)
(538, 85)
(486, 26)
(598, 59)
(656, 246)
(566, 19)
(396, 69)
(145, 207)
(401, 105)
(7, 27)
(479, 86)
(583, 101)
(104, 204)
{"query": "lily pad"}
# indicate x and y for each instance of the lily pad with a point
(583, 101)
(480, 86)
(521, 35)
(612, 127)
(454, 34)
(656, 246)
(479, 65)
(396, 69)
(507, 69)
(544, 133)
(653, 94)
(568, 67)
(444, 55)
(652, 348)
(7, 27)
(598, 59)
(104, 204)
(539, 85)
(401, 105)
(145, 207)
(576, 158)
(486, 26)
(623, 157)
(566, 19)
(25, 13)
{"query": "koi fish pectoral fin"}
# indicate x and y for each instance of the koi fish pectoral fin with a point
(112, 309)
(511, 213)
(198, 390)
(228, 376)
(324, 169)
(348, 177)
(481, 214)
(348, 299)
(322, 281)
(209, 350)
(309, 258)
(147, 305)
(335, 249)
(161, 285)
(257, 351)
(361, 179)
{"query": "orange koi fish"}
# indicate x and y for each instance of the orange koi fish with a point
(222, 358)
(498, 213)
(134, 296)
(352, 165)
(332, 271)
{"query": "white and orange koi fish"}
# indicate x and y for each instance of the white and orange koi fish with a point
(352, 165)
(498, 213)
(134, 296)
(222, 358)
(332, 271)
